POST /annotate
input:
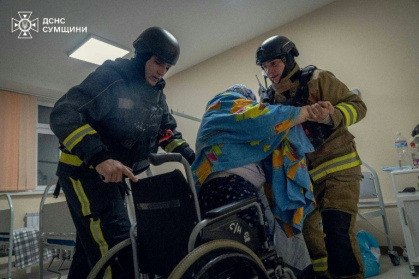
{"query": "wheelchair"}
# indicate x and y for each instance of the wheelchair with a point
(168, 238)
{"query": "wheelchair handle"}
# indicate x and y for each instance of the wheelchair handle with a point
(161, 158)
(157, 159)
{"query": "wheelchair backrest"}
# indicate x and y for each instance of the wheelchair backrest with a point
(165, 214)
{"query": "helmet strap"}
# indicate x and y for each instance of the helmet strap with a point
(140, 59)
(289, 61)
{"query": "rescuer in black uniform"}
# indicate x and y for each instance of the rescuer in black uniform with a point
(107, 127)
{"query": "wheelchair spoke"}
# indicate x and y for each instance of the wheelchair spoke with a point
(220, 259)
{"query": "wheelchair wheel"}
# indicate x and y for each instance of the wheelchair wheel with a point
(219, 259)
(110, 259)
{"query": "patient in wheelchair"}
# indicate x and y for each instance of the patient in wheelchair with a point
(244, 146)
(244, 149)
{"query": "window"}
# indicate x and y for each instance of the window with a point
(47, 150)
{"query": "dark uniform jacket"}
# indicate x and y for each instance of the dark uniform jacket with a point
(114, 113)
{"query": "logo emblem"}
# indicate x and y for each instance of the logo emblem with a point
(25, 25)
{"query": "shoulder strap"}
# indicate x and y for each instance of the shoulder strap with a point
(306, 74)
(301, 96)
(316, 133)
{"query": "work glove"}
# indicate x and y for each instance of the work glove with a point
(189, 155)
(186, 152)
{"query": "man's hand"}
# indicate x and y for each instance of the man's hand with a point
(114, 171)
(320, 111)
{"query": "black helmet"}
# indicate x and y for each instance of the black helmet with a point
(415, 131)
(276, 47)
(159, 42)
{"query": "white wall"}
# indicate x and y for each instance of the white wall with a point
(371, 45)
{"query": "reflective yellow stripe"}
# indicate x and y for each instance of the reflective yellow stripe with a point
(173, 144)
(337, 164)
(97, 234)
(95, 228)
(76, 136)
(321, 260)
(349, 112)
(81, 195)
(319, 264)
(70, 159)
(108, 273)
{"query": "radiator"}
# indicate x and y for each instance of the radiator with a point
(32, 220)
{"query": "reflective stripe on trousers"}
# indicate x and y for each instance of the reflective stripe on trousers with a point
(100, 218)
(337, 164)
(95, 229)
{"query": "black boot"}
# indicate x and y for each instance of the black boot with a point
(307, 273)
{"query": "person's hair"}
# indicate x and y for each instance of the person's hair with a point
(243, 90)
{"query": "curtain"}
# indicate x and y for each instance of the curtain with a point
(17, 141)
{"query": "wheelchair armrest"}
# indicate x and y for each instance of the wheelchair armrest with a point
(229, 207)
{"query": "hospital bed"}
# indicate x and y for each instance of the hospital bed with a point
(56, 231)
(6, 231)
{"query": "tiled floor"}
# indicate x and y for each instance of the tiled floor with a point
(387, 271)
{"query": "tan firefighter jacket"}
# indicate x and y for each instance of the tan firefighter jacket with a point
(338, 152)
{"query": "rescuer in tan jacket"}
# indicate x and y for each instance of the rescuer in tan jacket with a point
(334, 165)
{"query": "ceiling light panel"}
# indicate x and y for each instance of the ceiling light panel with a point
(97, 50)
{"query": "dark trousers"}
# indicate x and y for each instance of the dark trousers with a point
(101, 220)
